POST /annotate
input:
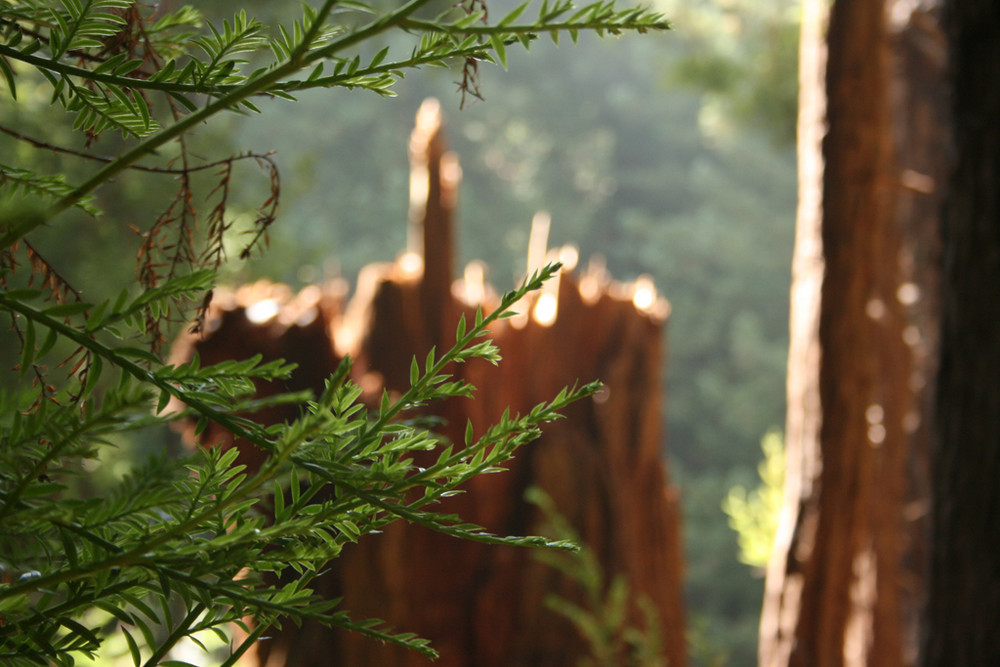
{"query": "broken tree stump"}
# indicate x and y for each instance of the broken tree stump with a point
(602, 465)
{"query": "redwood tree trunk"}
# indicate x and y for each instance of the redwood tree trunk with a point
(844, 586)
(908, 205)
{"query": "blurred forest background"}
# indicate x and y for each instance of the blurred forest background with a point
(668, 155)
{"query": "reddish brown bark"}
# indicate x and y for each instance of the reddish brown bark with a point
(485, 605)
(602, 465)
(296, 329)
(844, 586)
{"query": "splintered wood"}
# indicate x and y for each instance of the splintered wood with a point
(602, 466)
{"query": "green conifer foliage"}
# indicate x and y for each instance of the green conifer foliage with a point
(179, 547)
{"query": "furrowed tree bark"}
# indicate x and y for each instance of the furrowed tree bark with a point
(844, 586)
(910, 197)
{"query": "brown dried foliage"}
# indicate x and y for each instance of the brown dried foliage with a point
(175, 242)
(469, 84)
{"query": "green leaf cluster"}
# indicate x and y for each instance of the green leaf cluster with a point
(182, 547)
(200, 534)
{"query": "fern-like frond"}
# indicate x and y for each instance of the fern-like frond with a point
(243, 35)
(16, 181)
(109, 107)
(78, 25)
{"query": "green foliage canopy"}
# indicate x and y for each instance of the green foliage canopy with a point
(754, 515)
